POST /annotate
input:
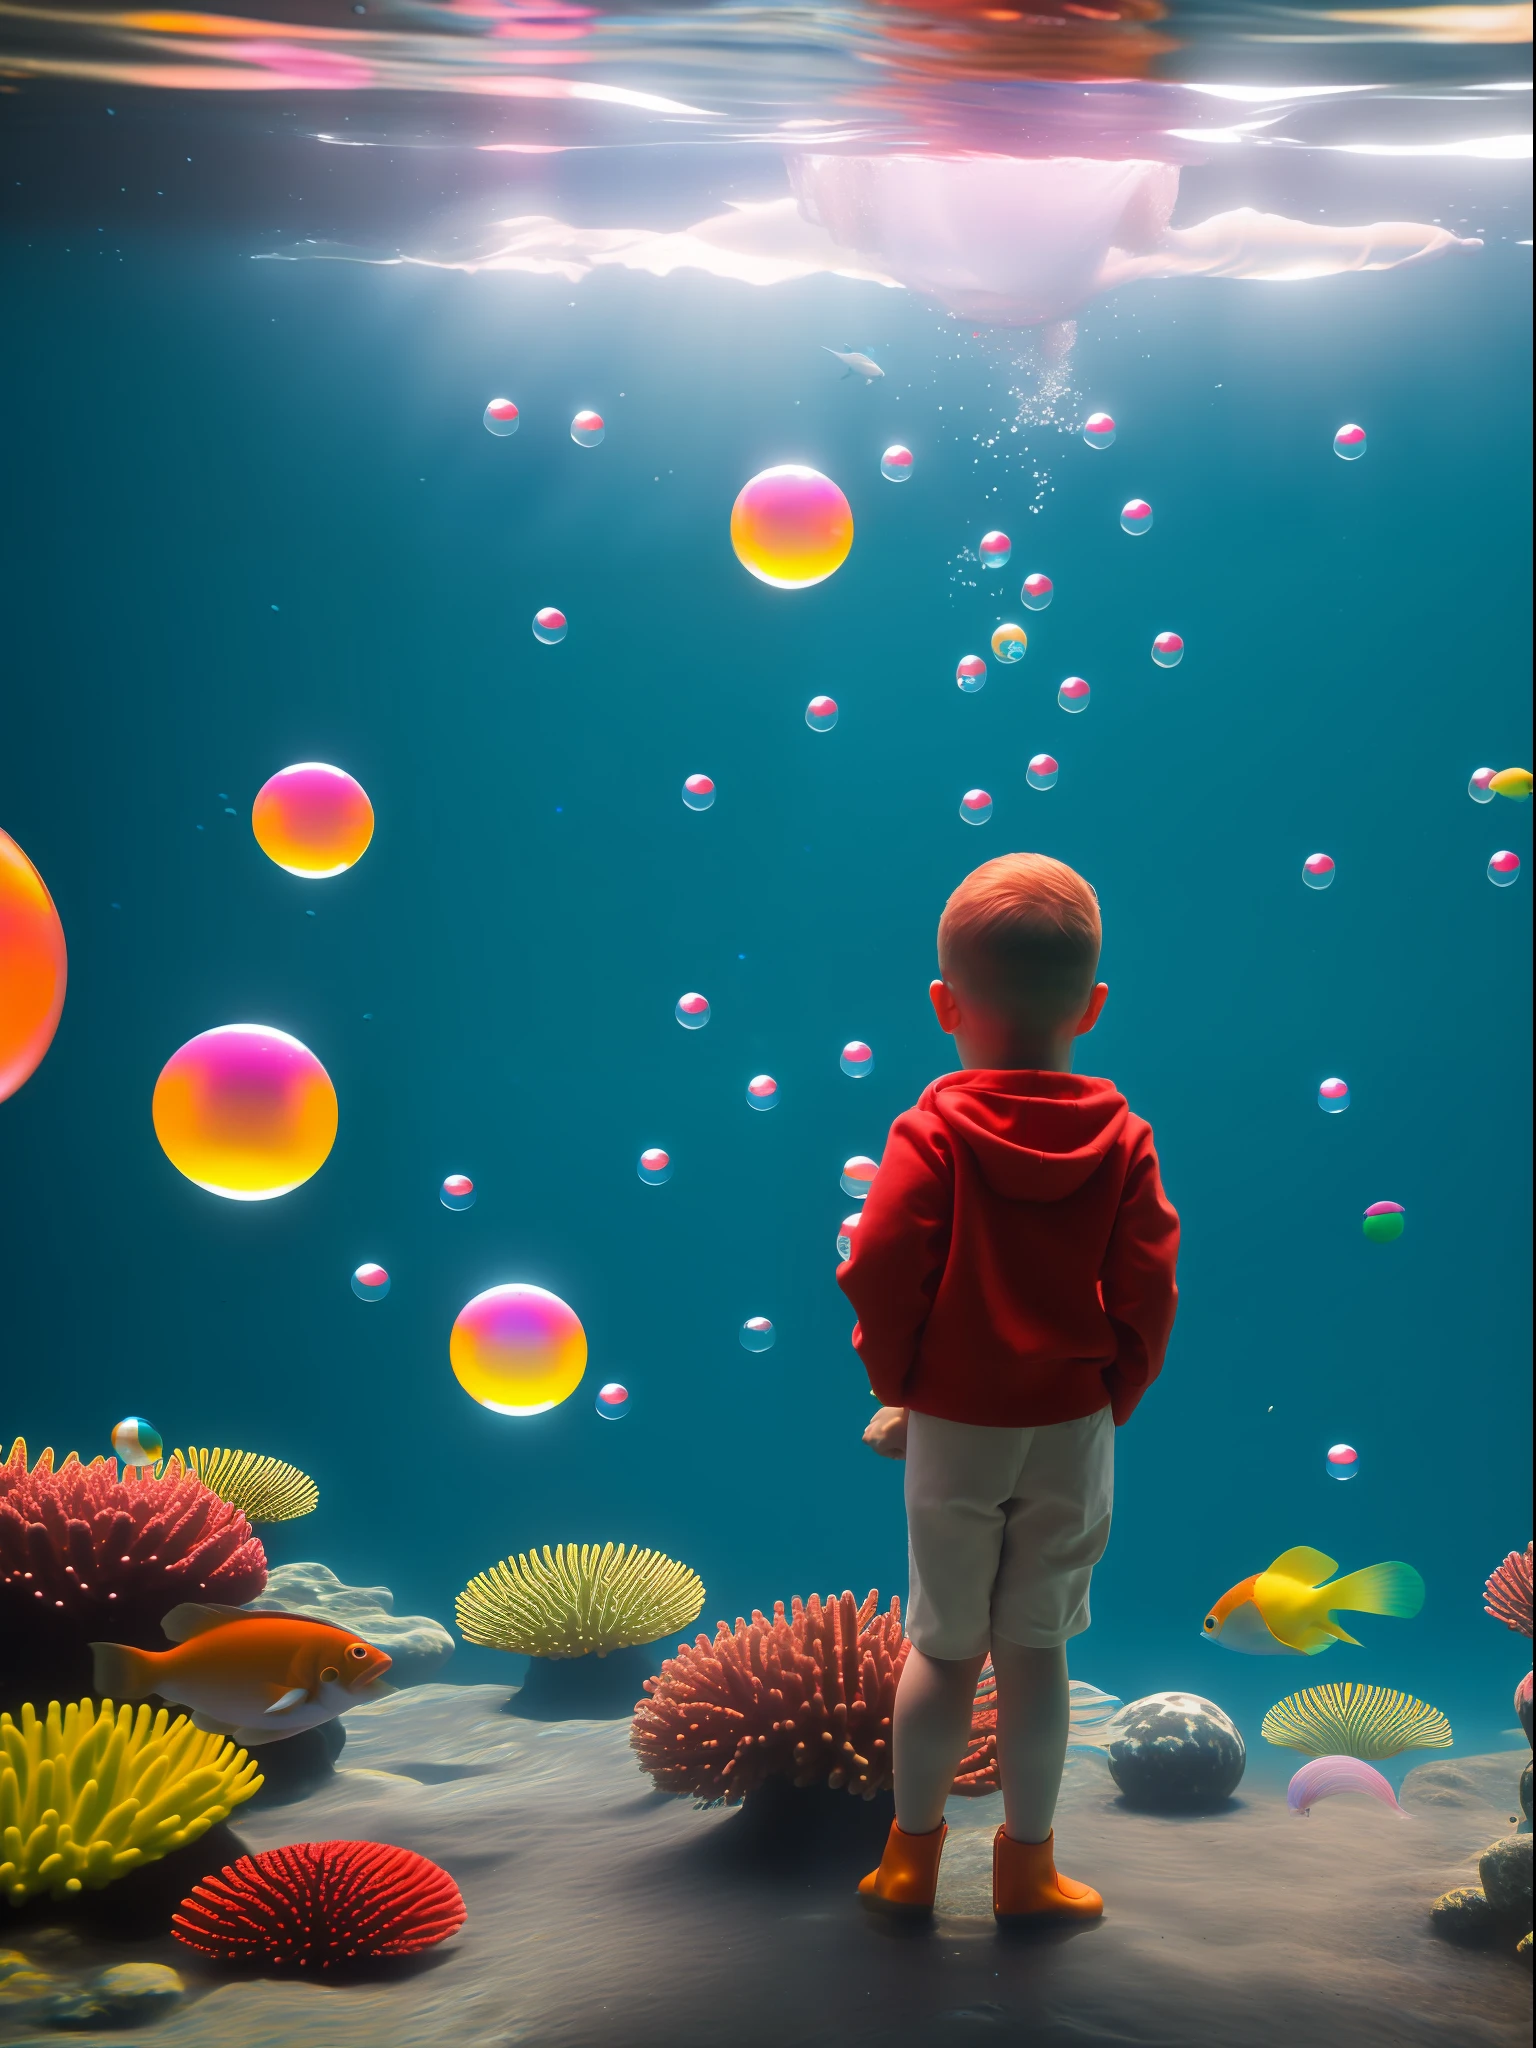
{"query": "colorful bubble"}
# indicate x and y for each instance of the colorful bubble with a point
(370, 1282)
(1504, 869)
(1136, 517)
(612, 1401)
(312, 820)
(1333, 1096)
(847, 1231)
(549, 625)
(1074, 694)
(136, 1441)
(975, 807)
(698, 792)
(896, 464)
(1042, 771)
(1168, 650)
(1384, 1222)
(501, 417)
(587, 429)
(1009, 642)
(692, 1011)
(245, 1111)
(1099, 430)
(971, 673)
(33, 968)
(1318, 870)
(1515, 783)
(856, 1059)
(1037, 592)
(757, 1334)
(1479, 787)
(995, 549)
(1343, 1462)
(457, 1192)
(518, 1350)
(655, 1167)
(858, 1175)
(762, 1092)
(821, 714)
(1349, 443)
(791, 526)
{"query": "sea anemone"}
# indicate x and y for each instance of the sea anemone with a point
(86, 1556)
(571, 1602)
(1364, 1721)
(263, 1489)
(1507, 1595)
(319, 1904)
(88, 1794)
(807, 1698)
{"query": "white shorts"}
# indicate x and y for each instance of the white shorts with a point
(1004, 1528)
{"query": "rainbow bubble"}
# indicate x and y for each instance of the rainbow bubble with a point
(1042, 771)
(1099, 430)
(975, 807)
(136, 1441)
(896, 464)
(1342, 1462)
(971, 673)
(1168, 650)
(995, 549)
(655, 1167)
(1037, 592)
(370, 1282)
(1074, 694)
(457, 1192)
(1480, 787)
(757, 1334)
(762, 1092)
(821, 714)
(245, 1111)
(587, 429)
(1333, 1096)
(501, 417)
(550, 625)
(1384, 1222)
(858, 1176)
(33, 968)
(518, 1350)
(698, 792)
(847, 1231)
(1009, 642)
(791, 526)
(856, 1059)
(1504, 869)
(612, 1401)
(312, 820)
(1318, 870)
(1349, 443)
(692, 1011)
(1136, 516)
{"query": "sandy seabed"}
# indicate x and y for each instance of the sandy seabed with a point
(605, 1915)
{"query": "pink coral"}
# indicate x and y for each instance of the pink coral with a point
(1507, 1595)
(807, 1698)
(319, 1904)
(88, 1556)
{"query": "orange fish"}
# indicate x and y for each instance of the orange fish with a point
(256, 1677)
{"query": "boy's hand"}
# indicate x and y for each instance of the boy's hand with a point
(886, 1433)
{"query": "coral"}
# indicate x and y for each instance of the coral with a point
(89, 1794)
(806, 1698)
(1366, 1721)
(573, 1602)
(263, 1489)
(88, 1556)
(1507, 1595)
(1523, 1704)
(319, 1904)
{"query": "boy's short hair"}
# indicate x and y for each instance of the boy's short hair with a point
(1022, 934)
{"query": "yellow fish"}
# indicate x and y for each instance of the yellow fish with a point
(1288, 1611)
(1515, 782)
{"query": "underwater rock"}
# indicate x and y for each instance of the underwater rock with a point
(1465, 1917)
(418, 1645)
(1505, 1870)
(299, 1765)
(125, 1995)
(585, 1688)
(1176, 1752)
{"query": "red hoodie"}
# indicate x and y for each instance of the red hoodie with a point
(1014, 1264)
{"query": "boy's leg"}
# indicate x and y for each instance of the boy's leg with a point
(1032, 1708)
(929, 1731)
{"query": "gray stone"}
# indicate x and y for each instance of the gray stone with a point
(1465, 1917)
(126, 1995)
(419, 1646)
(1505, 1870)
(1174, 1751)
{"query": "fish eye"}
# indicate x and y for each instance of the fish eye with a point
(1210, 1621)
(357, 1650)
(329, 1675)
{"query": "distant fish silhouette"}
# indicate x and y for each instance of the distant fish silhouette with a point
(855, 364)
(1327, 1776)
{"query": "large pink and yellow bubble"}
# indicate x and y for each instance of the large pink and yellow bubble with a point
(791, 526)
(245, 1111)
(33, 967)
(518, 1350)
(313, 820)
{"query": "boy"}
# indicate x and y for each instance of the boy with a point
(1013, 1276)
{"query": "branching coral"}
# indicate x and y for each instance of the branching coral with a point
(806, 1697)
(263, 1489)
(86, 1555)
(86, 1795)
(317, 1904)
(1507, 1595)
(571, 1602)
(1365, 1721)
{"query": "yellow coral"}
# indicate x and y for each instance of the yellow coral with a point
(264, 1489)
(573, 1602)
(1367, 1721)
(90, 1793)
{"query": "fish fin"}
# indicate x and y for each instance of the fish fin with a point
(123, 1673)
(1306, 1564)
(1391, 1588)
(209, 1726)
(294, 1697)
(1337, 1634)
(196, 1617)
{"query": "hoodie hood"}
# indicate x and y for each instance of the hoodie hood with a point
(1035, 1137)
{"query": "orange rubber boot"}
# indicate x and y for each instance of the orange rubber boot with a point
(1025, 1884)
(908, 1875)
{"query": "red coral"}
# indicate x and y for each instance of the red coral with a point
(808, 1699)
(1507, 1595)
(88, 1556)
(319, 1904)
